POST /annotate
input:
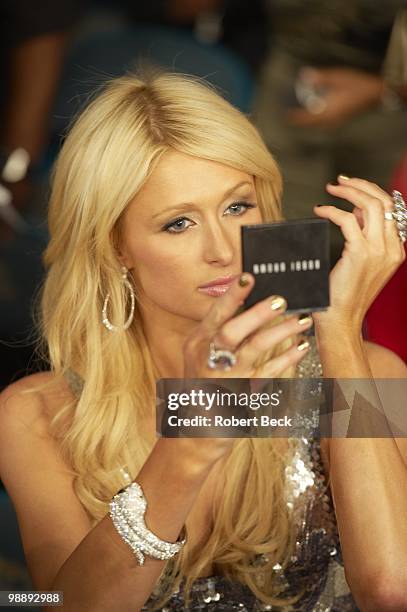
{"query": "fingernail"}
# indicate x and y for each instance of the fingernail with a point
(303, 345)
(343, 177)
(305, 319)
(277, 303)
(244, 280)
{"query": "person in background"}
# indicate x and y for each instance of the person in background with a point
(33, 39)
(323, 105)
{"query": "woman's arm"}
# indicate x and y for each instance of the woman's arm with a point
(93, 567)
(368, 476)
(114, 580)
(369, 486)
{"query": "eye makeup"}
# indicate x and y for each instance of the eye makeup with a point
(169, 227)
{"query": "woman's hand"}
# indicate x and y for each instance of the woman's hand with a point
(243, 335)
(372, 253)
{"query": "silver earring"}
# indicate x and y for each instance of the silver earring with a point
(105, 319)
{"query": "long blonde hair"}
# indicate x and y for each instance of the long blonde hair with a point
(108, 155)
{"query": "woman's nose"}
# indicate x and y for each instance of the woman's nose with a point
(220, 244)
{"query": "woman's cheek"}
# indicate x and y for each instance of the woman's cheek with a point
(162, 276)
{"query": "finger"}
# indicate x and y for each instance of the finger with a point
(372, 207)
(390, 227)
(265, 340)
(232, 333)
(275, 366)
(346, 221)
(370, 188)
(225, 306)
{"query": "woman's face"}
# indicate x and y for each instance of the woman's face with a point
(182, 230)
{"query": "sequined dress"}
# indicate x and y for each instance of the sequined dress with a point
(316, 568)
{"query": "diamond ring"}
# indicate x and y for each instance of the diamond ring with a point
(220, 359)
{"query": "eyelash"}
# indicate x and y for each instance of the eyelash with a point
(167, 226)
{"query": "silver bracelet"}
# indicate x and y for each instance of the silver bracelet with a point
(127, 510)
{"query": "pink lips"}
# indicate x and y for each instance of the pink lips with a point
(217, 287)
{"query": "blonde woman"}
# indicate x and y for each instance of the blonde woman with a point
(149, 193)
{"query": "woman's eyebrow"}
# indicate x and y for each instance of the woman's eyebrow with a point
(188, 205)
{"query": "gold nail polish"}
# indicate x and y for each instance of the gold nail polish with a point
(277, 303)
(244, 280)
(305, 319)
(344, 177)
(303, 344)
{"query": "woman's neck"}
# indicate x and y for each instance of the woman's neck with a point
(165, 336)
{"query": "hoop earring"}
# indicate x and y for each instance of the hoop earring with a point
(105, 319)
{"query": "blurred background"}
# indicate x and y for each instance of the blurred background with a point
(325, 82)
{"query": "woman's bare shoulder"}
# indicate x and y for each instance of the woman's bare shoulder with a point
(34, 399)
(37, 477)
(383, 362)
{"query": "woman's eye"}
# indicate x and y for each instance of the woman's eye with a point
(239, 208)
(176, 227)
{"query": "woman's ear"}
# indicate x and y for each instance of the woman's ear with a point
(125, 260)
(121, 252)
